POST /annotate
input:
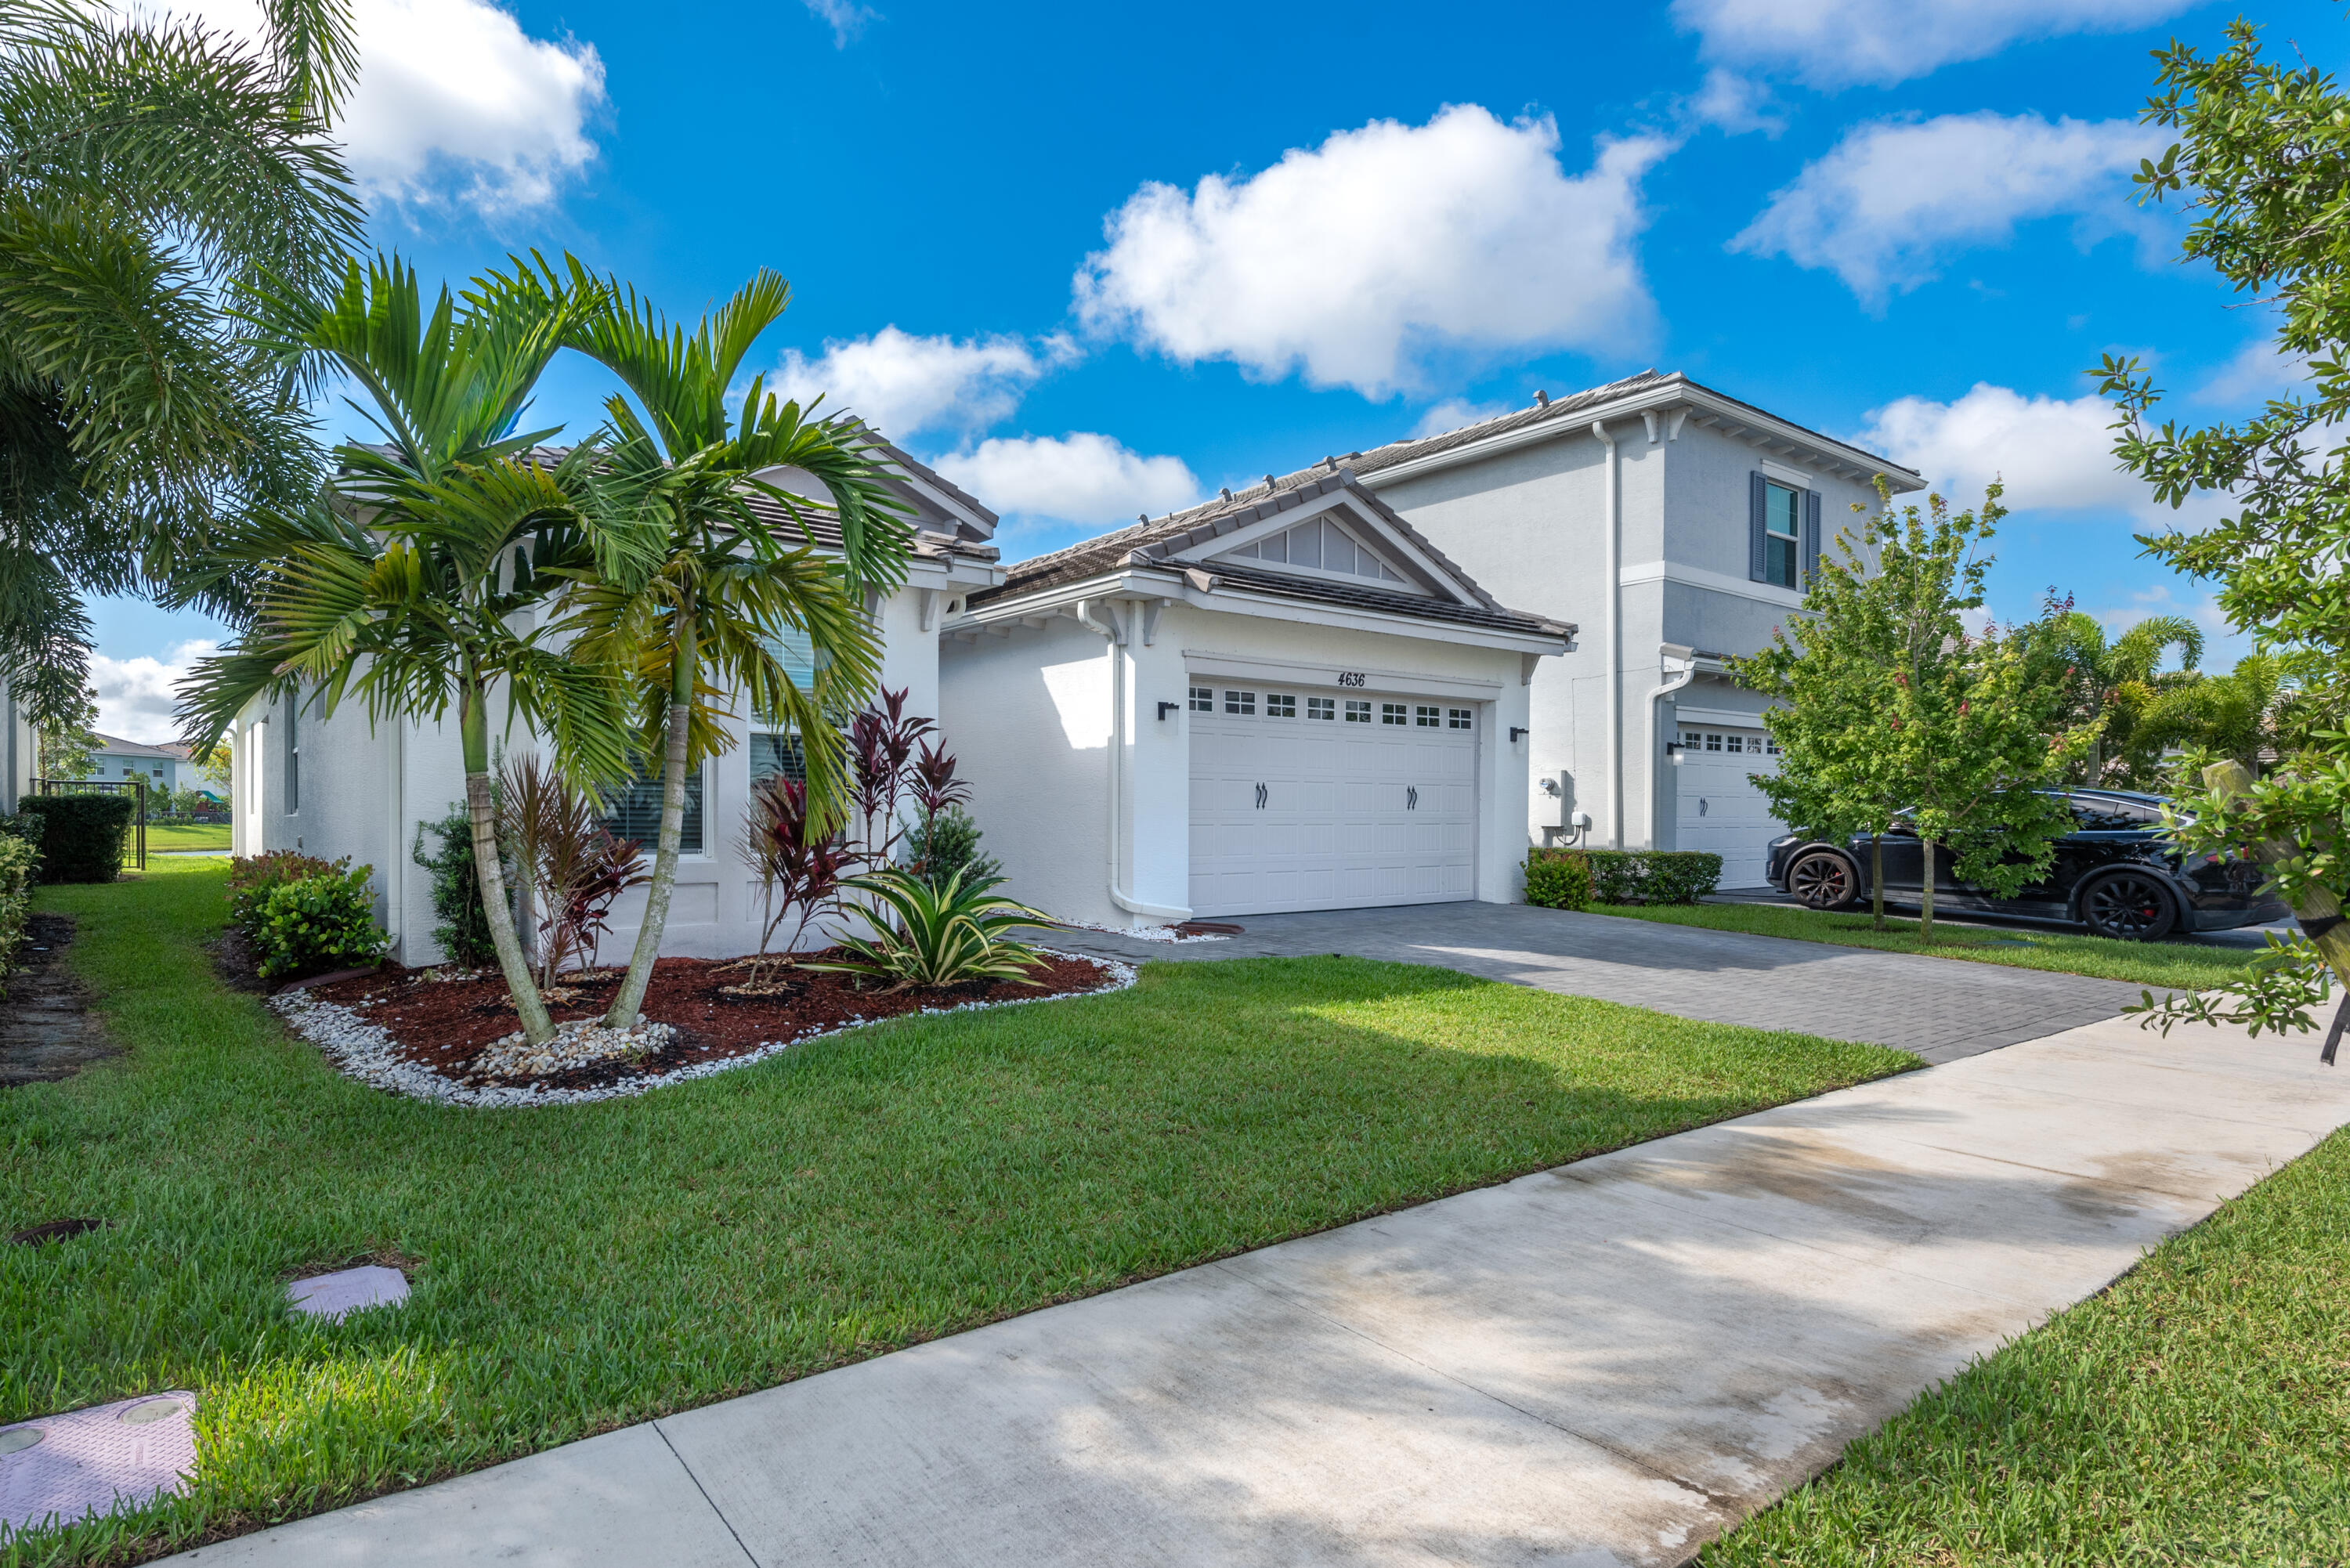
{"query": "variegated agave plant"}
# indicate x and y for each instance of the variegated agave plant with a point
(925, 936)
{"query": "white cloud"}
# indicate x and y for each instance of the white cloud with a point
(1890, 197)
(845, 17)
(1838, 43)
(454, 100)
(1081, 478)
(1356, 260)
(1735, 103)
(2050, 454)
(135, 699)
(1452, 414)
(903, 384)
(2257, 372)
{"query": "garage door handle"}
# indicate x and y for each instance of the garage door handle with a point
(1412, 797)
(1260, 797)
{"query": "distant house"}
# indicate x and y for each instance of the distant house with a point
(164, 768)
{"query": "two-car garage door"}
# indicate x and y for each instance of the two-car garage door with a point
(1328, 800)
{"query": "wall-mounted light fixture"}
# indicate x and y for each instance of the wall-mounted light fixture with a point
(1518, 733)
(1167, 708)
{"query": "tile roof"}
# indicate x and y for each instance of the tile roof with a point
(119, 747)
(1157, 542)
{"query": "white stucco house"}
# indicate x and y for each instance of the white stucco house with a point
(339, 786)
(19, 749)
(1286, 700)
(1678, 527)
(1300, 696)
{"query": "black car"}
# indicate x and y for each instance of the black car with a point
(2116, 873)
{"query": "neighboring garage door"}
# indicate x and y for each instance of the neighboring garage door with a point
(1314, 800)
(1721, 809)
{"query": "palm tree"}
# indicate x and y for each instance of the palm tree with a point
(2116, 680)
(739, 559)
(406, 585)
(159, 176)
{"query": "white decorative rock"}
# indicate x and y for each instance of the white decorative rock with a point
(60, 1467)
(331, 1297)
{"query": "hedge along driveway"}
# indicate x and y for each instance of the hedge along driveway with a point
(578, 1269)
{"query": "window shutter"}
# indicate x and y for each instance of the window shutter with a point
(1757, 531)
(1811, 538)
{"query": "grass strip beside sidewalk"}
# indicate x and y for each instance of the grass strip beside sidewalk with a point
(2177, 965)
(2197, 1413)
(575, 1269)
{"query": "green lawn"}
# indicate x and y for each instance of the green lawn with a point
(188, 835)
(2198, 1413)
(2183, 965)
(582, 1267)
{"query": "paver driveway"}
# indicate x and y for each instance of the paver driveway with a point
(1942, 1008)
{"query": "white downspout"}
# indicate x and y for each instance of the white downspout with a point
(395, 883)
(1687, 658)
(1116, 639)
(1613, 661)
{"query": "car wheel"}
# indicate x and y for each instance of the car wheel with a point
(2129, 907)
(1822, 881)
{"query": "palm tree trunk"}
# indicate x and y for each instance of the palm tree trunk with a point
(1877, 878)
(1926, 894)
(473, 726)
(632, 996)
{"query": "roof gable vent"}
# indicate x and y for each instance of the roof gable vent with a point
(1320, 544)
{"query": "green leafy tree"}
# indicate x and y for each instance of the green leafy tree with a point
(739, 564)
(64, 734)
(160, 177)
(1909, 717)
(413, 586)
(2262, 163)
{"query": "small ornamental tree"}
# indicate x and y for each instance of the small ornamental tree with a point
(2263, 163)
(1891, 710)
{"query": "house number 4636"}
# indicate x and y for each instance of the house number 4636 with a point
(1350, 678)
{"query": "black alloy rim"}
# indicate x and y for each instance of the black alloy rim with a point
(2126, 905)
(1820, 880)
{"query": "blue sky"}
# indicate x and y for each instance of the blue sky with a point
(1094, 263)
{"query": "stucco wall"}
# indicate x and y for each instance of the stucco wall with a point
(1030, 716)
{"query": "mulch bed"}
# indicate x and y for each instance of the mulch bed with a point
(443, 1025)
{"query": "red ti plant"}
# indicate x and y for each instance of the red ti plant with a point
(881, 741)
(799, 868)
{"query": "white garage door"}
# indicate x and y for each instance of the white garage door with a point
(1721, 809)
(1311, 800)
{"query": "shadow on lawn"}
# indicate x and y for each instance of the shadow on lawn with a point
(583, 1267)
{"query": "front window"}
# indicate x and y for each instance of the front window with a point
(634, 811)
(1783, 513)
(776, 751)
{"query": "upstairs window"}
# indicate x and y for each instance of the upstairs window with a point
(1783, 523)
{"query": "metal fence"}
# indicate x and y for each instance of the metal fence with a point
(134, 834)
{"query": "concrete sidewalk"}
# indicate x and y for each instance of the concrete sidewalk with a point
(1601, 1365)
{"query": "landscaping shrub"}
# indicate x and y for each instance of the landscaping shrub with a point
(940, 936)
(82, 835)
(316, 923)
(945, 845)
(28, 826)
(1652, 876)
(18, 861)
(1558, 879)
(251, 880)
(464, 932)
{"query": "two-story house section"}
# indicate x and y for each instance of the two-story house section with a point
(1678, 527)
